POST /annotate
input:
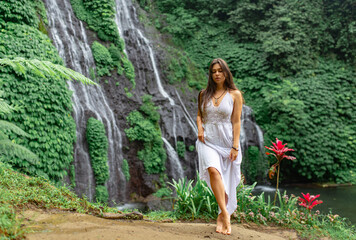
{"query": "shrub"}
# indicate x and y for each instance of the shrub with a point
(144, 127)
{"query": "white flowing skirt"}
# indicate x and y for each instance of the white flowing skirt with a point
(215, 153)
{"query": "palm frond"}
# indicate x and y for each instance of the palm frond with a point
(21, 65)
(5, 125)
(10, 149)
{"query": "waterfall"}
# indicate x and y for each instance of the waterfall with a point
(251, 133)
(69, 37)
(176, 166)
(126, 21)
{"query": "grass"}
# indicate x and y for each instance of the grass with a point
(19, 192)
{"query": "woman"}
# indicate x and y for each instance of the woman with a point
(219, 152)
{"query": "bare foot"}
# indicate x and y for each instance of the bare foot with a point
(219, 224)
(226, 227)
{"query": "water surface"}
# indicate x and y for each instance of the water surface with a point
(339, 200)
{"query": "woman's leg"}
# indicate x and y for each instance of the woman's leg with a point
(219, 191)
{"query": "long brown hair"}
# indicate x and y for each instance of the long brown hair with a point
(208, 93)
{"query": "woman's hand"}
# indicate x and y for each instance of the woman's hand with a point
(233, 154)
(201, 135)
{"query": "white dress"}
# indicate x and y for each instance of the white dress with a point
(218, 137)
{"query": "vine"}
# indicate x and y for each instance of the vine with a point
(98, 150)
(126, 169)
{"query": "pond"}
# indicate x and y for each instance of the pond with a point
(340, 200)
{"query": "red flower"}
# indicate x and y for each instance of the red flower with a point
(279, 150)
(309, 201)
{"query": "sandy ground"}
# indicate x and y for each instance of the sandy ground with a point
(74, 226)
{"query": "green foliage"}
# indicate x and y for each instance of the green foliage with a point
(194, 201)
(100, 16)
(315, 114)
(160, 215)
(115, 53)
(20, 11)
(38, 91)
(103, 61)
(163, 192)
(45, 116)
(18, 192)
(180, 149)
(29, 77)
(254, 165)
(282, 55)
(126, 169)
(197, 201)
(191, 148)
(128, 69)
(98, 150)
(181, 68)
(10, 227)
(23, 41)
(144, 127)
(149, 109)
(42, 68)
(101, 194)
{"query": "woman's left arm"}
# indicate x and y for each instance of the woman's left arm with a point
(236, 123)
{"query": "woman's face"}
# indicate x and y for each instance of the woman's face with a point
(218, 74)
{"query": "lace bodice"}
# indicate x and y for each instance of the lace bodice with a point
(219, 114)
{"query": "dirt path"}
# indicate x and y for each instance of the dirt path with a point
(74, 226)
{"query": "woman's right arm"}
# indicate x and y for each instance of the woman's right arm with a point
(200, 121)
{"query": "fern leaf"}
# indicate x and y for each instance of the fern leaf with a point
(33, 66)
(4, 107)
(5, 125)
(20, 65)
(10, 149)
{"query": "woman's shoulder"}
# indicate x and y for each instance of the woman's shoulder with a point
(235, 93)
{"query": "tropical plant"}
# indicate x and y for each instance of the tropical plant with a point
(194, 200)
(279, 150)
(309, 201)
(15, 149)
(40, 68)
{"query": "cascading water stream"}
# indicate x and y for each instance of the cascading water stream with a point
(176, 167)
(126, 25)
(69, 37)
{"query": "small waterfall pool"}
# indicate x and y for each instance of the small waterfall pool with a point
(340, 200)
